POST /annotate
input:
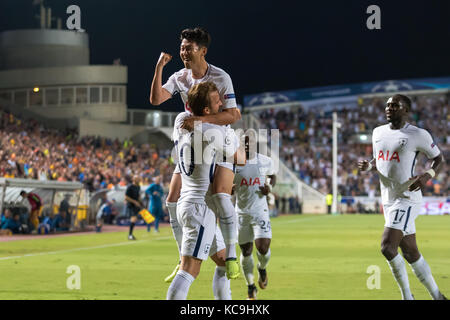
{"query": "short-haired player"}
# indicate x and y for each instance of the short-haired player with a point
(193, 49)
(200, 236)
(253, 182)
(395, 149)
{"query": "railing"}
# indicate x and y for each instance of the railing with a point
(65, 96)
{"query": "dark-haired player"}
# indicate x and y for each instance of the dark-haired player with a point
(253, 183)
(395, 149)
(193, 49)
(200, 237)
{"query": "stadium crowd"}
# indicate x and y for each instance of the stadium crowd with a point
(28, 150)
(306, 144)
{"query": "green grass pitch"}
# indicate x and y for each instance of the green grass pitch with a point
(314, 257)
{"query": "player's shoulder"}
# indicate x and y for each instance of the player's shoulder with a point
(180, 118)
(264, 159)
(182, 73)
(218, 73)
(381, 128)
(177, 131)
(413, 130)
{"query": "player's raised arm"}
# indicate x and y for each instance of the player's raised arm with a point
(157, 93)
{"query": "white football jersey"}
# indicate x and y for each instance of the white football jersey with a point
(196, 152)
(248, 179)
(181, 81)
(395, 152)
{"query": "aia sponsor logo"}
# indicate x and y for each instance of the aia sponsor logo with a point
(385, 156)
(250, 182)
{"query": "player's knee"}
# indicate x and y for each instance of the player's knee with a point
(411, 255)
(246, 249)
(263, 248)
(388, 251)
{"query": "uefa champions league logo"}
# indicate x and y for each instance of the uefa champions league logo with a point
(391, 86)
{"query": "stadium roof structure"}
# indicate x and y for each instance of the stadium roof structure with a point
(40, 184)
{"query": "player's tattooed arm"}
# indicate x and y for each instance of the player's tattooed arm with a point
(157, 93)
(365, 165)
(421, 180)
(227, 116)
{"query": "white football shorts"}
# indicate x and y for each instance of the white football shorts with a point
(254, 226)
(401, 215)
(201, 236)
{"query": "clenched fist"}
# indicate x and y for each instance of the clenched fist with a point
(164, 58)
(363, 165)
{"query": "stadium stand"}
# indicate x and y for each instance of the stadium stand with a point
(306, 145)
(28, 150)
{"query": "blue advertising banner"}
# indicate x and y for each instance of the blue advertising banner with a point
(346, 90)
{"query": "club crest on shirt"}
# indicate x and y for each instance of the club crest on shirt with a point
(227, 141)
(402, 142)
(207, 247)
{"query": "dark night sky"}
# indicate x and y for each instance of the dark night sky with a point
(263, 45)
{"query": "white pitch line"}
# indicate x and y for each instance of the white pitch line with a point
(80, 249)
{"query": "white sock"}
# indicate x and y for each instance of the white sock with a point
(221, 284)
(176, 228)
(423, 272)
(227, 222)
(263, 259)
(398, 269)
(180, 285)
(248, 266)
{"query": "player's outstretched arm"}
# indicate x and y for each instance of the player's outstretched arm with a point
(157, 93)
(421, 180)
(227, 116)
(365, 165)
